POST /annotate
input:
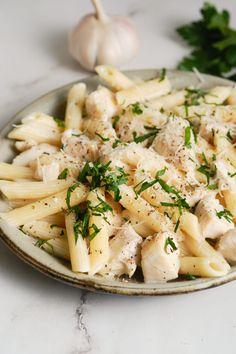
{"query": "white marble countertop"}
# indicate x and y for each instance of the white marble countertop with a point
(39, 315)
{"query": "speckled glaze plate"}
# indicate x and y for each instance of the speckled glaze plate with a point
(54, 103)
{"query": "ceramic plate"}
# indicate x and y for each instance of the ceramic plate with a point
(54, 104)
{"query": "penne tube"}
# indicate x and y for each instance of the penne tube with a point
(75, 105)
(142, 92)
(43, 230)
(169, 101)
(99, 244)
(113, 77)
(34, 190)
(38, 132)
(78, 249)
(202, 266)
(218, 95)
(16, 203)
(44, 207)
(55, 219)
(13, 172)
(143, 210)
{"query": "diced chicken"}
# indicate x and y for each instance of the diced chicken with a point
(137, 224)
(100, 104)
(160, 257)
(103, 128)
(209, 127)
(211, 218)
(79, 146)
(171, 143)
(227, 245)
(124, 253)
(130, 123)
(26, 157)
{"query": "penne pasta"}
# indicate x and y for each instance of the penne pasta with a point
(34, 190)
(202, 267)
(78, 249)
(143, 92)
(75, 105)
(45, 207)
(113, 77)
(43, 230)
(12, 172)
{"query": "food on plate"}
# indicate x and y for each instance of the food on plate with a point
(137, 177)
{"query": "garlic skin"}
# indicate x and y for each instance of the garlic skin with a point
(99, 39)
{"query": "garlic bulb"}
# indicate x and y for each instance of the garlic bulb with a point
(99, 39)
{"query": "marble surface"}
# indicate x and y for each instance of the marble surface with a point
(39, 315)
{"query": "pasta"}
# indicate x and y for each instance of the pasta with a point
(138, 175)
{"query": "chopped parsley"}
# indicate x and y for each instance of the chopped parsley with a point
(232, 174)
(102, 137)
(94, 233)
(115, 121)
(21, 229)
(69, 191)
(169, 242)
(207, 170)
(97, 174)
(229, 136)
(60, 122)
(193, 96)
(189, 276)
(116, 143)
(63, 174)
(136, 109)
(226, 214)
(162, 74)
(187, 137)
(42, 243)
(153, 131)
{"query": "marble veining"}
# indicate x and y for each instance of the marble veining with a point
(82, 326)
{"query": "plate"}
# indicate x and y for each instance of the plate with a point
(54, 103)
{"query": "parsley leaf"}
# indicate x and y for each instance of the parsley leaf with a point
(60, 122)
(115, 121)
(102, 137)
(63, 174)
(42, 243)
(136, 109)
(213, 42)
(169, 242)
(69, 191)
(225, 214)
(152, 134)
(162, 74)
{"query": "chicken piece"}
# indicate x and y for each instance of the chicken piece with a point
(50, 172)
(100, 104)
(26, 157)
(79, 146)
(137, 224)
(227, 245)
(103, 128)
(209, 127)
(160, 257)
(171, 143)
(211, 218)
(124, 253)
(130, 124)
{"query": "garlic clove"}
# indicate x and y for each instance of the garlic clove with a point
(119, 43)
(84, 41)
(99, 39)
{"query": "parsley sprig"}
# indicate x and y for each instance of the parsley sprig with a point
(213, 42)
(226, 214)
(153, 131)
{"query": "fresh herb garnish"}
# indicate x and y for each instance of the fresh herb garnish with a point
(229, 136)
(102, 137)
(116, 143)
(207, 170)
(189, 276)
(21, 229)
(169, 242)
(152, 134)
(162, 74)
(213, 42)
(226, 214)
(136, 109)
(193, 96)
(94, 233)
(213, 186)
(97, 174)
(115, 121)
(60, 122)
(63, 174)
(231, 174)
(187, 137)
(42, 243)
(69, 191)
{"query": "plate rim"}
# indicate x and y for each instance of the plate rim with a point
(93, 285)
